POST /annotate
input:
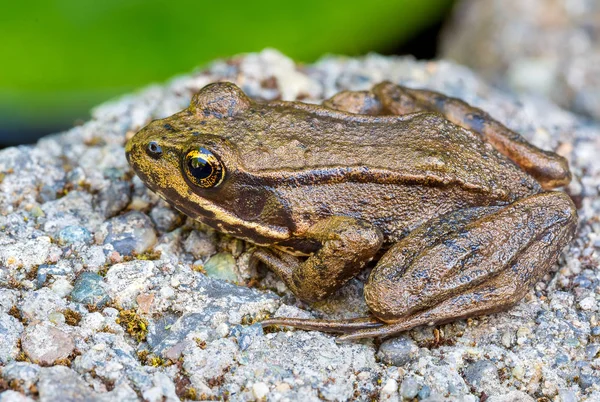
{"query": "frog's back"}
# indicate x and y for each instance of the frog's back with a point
(313, 143)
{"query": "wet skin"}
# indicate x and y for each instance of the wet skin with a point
(454, 205)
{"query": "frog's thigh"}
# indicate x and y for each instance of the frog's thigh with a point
(346, 245)
(550, 169)
(474, 267)
(358, 102)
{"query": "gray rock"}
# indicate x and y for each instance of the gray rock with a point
(62, 383)
(483, 376)
(13, 396)
(126, 280)
(409, 388)
(88, 289)
(37, 305)
(10, 333)
(44, 270)
(398, 351)
(45, 344)
(588, 380)
(512, 396)
(114, 198)
(542, 346)
(200, 244)
(8, 299)
(165, 218)
(567, 395)
(74, 234)
(130, 233)
(221, 266)
(24, 373)
(74, 209)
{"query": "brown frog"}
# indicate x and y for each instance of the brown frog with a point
(453, 204)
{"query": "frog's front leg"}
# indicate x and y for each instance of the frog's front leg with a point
(466, 263)
(346, 245)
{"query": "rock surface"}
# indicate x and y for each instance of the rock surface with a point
(549, 47)
(114, 277)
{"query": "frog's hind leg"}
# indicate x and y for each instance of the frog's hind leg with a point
(341, 326)
(467, 263)
(549, 169)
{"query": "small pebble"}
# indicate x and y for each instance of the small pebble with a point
(74, 235)
(44, 344)
(587, 304)
(390, 388)
(88, 290)
(221, 266)
(200, 244)
(409, 388)
(260, 390)
(398, 351)
(132, 233)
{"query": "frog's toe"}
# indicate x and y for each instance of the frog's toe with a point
(339, 326)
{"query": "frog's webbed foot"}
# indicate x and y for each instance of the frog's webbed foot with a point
(466, 263)
(549, 169)
(346, 245)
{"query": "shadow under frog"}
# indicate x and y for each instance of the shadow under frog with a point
(458, 205)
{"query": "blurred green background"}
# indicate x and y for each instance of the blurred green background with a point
(62, 57)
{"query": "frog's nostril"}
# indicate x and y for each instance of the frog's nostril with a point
(154, 150)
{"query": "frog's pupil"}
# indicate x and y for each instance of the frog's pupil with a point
(200, 168)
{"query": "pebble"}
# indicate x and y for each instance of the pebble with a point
(126, 280)
(62, 287)
(389, 389)
(566, 395)
(588, 303)
(45, 344)
(165, 218)
(88, 289)
(10, 332)
(114, 198)
(398, 351)
(44, 270)
(260, 390)
(200, 244)
(74, 235)
(130, 233)
(409, 388)
(221, 266)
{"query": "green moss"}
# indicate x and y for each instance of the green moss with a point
(134, 324)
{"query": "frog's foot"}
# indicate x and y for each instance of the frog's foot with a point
(467, 263)
(549, 169)
(341, 326)
(346, 245)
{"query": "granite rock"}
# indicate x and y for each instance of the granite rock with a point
(188, 335)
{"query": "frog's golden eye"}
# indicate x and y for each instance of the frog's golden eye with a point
(203, 168)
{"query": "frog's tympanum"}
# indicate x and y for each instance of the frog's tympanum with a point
(455, 207)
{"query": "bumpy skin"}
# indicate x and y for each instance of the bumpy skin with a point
(462, 208)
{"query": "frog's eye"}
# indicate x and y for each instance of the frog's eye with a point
(203, 168)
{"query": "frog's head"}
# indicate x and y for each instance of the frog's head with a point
(186, 160)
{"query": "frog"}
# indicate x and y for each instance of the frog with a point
(455, 214)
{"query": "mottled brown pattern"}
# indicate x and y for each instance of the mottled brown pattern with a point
(456, 195)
